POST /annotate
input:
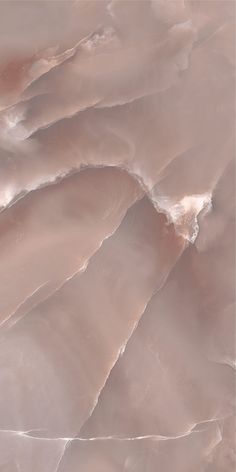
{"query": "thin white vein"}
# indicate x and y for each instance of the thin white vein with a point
(21, 304)
(7, 322)
(54, 62)
(153, 437)
(53, 292)
(214, 33)
(214, 443)
(67, 442)
(144, 186)
(225, 361)
(124, 345)
(58, 177)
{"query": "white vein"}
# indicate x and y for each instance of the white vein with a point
(154, 437)
(124, 345)
(78, 271)
(26, 299)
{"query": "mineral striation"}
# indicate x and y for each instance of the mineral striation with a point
(117, 236)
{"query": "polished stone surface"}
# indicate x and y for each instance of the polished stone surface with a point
(117, 236)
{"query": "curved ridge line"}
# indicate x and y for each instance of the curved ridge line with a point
(122, 102)
(62, 57)
(58, 178)
(121, 167)
(96, 106)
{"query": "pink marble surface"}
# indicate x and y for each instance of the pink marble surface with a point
(117, 236)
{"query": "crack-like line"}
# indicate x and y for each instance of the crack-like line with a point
(124, 101)
(62, 59)
(96, 104)
(224, 361)
(21, 304)
(212, 447)
(67, 442)
(203, 41)
(6, 322)
(154, 437)
(156, 201)
(124, 345)
(62, 176)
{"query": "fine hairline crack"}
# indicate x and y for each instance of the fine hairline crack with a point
(155, 437)
(124, 345)
(7, 322)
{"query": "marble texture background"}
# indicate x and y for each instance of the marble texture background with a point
(117, 236)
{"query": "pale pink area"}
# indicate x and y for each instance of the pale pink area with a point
(117, 236)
